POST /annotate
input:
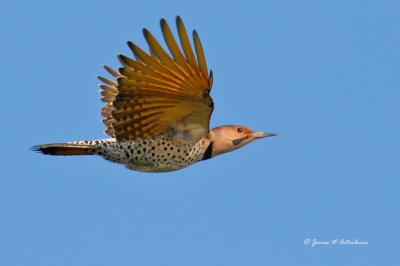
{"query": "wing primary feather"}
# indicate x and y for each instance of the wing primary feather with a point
(126, 62)
(187, 49)
(174, 48)
(112, 71)
(171, 43)
(108, 88)
(107, 81)
(108, 94)
(210, 79)
(200, 54)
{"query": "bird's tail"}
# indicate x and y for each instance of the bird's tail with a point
(64, 149)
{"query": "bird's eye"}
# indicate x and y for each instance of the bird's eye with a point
(240, 130)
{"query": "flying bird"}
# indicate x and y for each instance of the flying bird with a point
(157, 110)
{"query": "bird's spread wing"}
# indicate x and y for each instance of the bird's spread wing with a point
(157, 94)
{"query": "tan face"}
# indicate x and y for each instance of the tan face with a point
(237, 134)
(231, 137)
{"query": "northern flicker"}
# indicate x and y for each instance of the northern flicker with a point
(157, 111)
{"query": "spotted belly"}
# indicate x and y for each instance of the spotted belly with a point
(152, 155)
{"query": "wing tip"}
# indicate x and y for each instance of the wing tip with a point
(145, 32)
(121, 56)
(131, 46)
(178, 20)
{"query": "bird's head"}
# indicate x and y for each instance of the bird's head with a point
(229, 138)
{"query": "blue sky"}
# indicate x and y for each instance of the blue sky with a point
(324, 75)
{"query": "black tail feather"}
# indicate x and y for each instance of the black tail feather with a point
(63, 149)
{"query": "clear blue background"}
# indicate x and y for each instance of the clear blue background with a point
(324, 75)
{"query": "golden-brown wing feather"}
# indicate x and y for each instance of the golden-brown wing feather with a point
(109, 94)
(156, 94)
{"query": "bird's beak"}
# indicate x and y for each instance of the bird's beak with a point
(258, 135)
